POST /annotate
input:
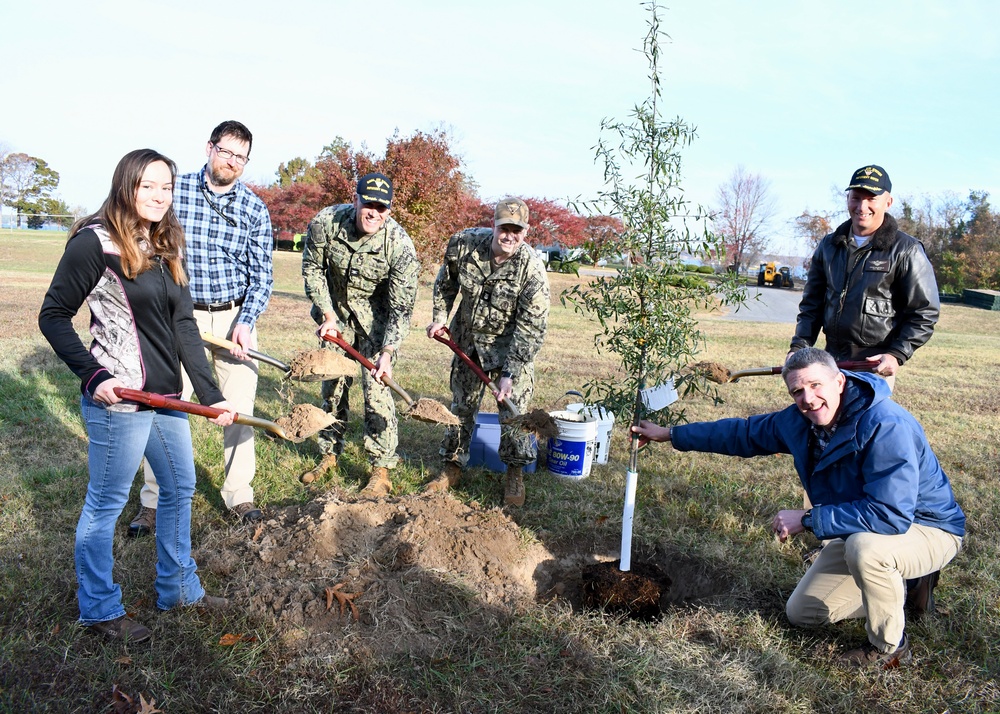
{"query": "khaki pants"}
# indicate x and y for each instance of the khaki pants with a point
(864, 577)
(238, 381)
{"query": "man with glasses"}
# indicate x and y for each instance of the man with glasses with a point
(500, 323)
(228, 252)
(360, 270)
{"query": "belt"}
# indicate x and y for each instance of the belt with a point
(219, 306)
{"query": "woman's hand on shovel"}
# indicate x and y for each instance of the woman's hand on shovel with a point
(105, 392)
(226, 418)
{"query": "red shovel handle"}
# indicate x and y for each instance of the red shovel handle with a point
(367, 364)
(476, 369)
(158, 401)
(861, 365)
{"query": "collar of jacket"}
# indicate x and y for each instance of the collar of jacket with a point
(882, 239)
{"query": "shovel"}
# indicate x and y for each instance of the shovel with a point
(426, 410)
(158, 401)
(854, 366)
(268, 359)
(477, 370)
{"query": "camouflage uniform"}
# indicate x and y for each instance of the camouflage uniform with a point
(500, 323)
(371, 284)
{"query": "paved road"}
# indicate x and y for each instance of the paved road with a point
(773, 305)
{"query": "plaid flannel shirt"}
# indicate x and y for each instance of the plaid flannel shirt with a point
(225, 261)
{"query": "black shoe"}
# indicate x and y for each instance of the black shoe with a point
(868, 656)
(247, 512)
(920, 594)
(121, 629)
(144, 523)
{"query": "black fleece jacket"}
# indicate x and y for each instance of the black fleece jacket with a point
(143, 328)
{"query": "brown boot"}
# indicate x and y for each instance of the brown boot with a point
(513, 494)
(329, 462)
(449, 477)
(379, 483)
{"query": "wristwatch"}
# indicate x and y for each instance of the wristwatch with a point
(807, 520)
(506, 375)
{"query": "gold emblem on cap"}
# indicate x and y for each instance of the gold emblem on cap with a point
(378, 183)
(513, 208)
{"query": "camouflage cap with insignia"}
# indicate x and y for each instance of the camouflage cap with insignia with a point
(375, 188)
(873, 179)
(511, 211)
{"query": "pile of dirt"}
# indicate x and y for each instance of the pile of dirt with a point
(409, 565)
(303, 421)
(537, 421)
(317, 365)
(431, 411)
(712, 371)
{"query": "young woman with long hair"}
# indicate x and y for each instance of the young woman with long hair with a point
(126, 261)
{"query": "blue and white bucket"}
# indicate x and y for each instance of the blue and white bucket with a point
(572, 452)
(605, 422)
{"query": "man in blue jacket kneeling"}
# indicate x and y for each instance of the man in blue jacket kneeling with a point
(882, 504)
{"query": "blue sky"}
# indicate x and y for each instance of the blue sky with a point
(801, 92)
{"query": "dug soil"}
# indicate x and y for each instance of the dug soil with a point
(317, 365)
(405, 574)
(303, 421)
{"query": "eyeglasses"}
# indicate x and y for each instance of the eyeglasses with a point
(226, 155)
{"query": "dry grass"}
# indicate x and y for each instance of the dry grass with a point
(728, 649)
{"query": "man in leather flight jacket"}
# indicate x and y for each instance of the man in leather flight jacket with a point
(870, 286)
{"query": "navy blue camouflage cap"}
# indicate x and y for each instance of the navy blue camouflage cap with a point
(872, 178)
(375, 188)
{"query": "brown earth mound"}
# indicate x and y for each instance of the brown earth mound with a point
(712, 371)
(317, 365)
(303, 421)
(409, 565)
(538, 421)
(431, 411)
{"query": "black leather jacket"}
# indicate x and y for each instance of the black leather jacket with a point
(880, 298)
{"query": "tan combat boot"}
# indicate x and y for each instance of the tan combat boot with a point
(329, 462)
(513, 494)
(449, 477)
(379, 483)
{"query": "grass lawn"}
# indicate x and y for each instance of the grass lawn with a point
(726, 647)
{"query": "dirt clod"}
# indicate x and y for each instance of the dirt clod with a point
(431, 411)
(317, 365)
(538, 421)
(712, 371)
(303, 421)
(634, 594)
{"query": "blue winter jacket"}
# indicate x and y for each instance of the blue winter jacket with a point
(877, 475)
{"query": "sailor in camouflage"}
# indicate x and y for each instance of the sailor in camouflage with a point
(360, 271)
(500, 323)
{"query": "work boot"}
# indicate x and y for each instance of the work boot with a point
(328, 462)
(868, 656)
(121, 629)
(513, 494)
(379, 483)
(247, 512)
(144, 522)
(449, 477)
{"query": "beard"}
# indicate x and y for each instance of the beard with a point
(222, 179)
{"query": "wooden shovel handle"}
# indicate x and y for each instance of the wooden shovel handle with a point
(158, 401)
(850, 365)
(476, 369)
(367, 364)
(229, 344)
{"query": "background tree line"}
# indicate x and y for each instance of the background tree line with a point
(26, 185)
(434, 196)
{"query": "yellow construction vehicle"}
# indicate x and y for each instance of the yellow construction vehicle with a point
(773, 276)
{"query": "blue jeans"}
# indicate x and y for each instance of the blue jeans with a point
(118, 441)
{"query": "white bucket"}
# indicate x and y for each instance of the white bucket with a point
(572, 452)
(605, 422)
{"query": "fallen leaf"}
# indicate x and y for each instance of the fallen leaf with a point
(229, 639)
(121, 703)
(55, 630)
(124, 660)
(601, 519)
(148, 707)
